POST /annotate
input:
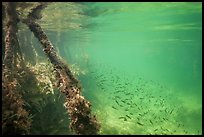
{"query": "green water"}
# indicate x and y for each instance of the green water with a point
(140, 64)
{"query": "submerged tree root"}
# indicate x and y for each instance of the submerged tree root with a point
(14, 117)
(82, 122)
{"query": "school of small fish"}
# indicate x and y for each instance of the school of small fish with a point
(145, 104)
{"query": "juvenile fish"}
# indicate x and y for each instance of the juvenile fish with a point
(116, 102)
(123, 101)
(166, 110)
(128, 103)
(128, 117)
(140, 124)
(135, 104)
(162, 129)
(124, 118)
(155, 129)
(113, 107)
(167, 130)
(151, 122)
(171, 111)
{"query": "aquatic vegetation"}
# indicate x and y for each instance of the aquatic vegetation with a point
(42, 99)
(15, 117)
(78, 108)
(82, 122)
(91, 68)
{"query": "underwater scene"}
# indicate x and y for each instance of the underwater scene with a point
(107, 68)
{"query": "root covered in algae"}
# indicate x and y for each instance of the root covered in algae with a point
(78, 108)
(15, 119)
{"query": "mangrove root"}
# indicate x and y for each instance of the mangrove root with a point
(82, 122)
(14, 117)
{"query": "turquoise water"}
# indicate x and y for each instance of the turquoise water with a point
(140, 63)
